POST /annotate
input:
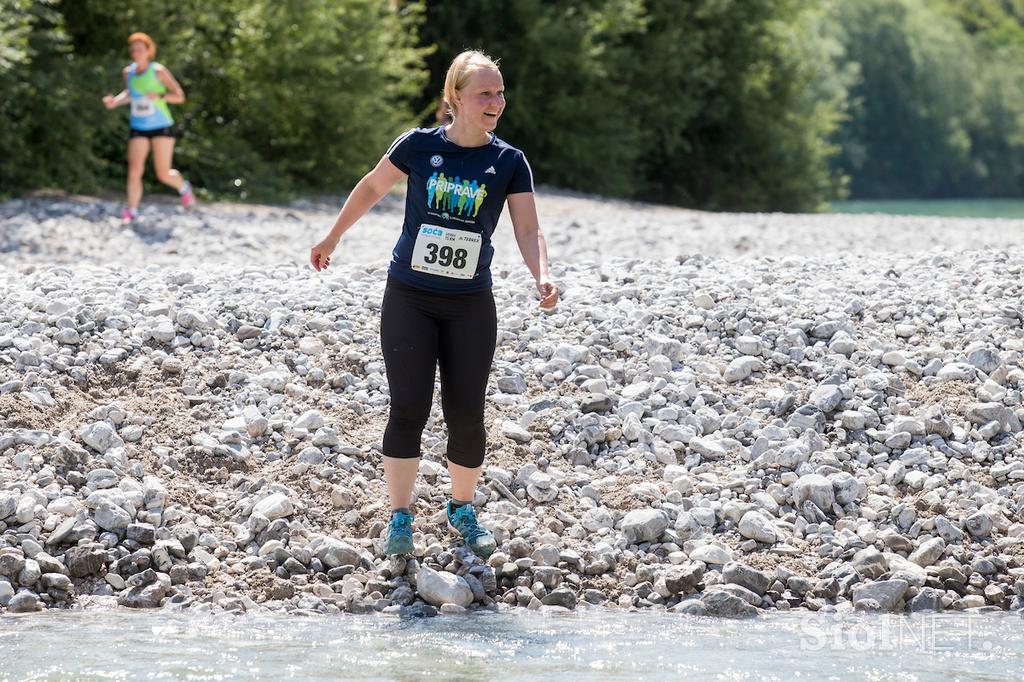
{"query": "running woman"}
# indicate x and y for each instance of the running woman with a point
(438, 309)
(149, 88)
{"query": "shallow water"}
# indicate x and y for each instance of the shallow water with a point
(592, 645)
(960, 208)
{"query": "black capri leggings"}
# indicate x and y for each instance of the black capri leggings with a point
(420, 330)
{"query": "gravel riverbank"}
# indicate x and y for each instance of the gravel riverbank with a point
(727, 414)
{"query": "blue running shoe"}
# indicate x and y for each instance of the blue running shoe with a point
(399, 534)
(477, 538)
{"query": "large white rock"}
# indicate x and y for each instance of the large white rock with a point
(26, 509)
(163, 331)
(817, 489)
(826, 397)
(333, 552)
(8, 504)
(311, 345)
(644, 525)
(195, 320)
(748, 345)
(311, 420)
(154, 494)
(100, 436)
(255, 423)
(756, 526)
(440, 588)
(65, 506)
(639, 390)
(707, 447)
(888, 593)
(711, 554)
(741, 368)
(272, 381)
(275, 506)
(515, 432)
(687, 527)
(597, 518)
(846, 487)
(658, 344)
(109, 516)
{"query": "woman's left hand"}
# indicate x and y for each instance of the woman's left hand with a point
(548, 293)
(153, 95)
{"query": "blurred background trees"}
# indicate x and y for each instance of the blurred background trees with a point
(720, 104)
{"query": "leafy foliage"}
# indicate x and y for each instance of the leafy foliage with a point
(721, 104)
(281, 96)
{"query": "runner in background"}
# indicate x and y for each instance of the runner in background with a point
(149, 89)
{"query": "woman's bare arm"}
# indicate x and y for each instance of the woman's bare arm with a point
(367, 192)
(174, 95)
(523, 210)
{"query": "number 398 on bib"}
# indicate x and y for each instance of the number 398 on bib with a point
(446, 252)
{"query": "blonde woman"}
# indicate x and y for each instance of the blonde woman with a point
(438, 310)
(149, 88)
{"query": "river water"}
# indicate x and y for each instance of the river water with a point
(591, 645)
(953, 208)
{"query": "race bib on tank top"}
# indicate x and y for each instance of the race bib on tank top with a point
(446, 252)
(143, 106)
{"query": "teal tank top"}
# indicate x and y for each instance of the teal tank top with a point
(146, 113)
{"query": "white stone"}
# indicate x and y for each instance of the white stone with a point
(817, 489)
(311, 345)
(109, 516)
(755, 526)
(928, 552)
(596, 518)
(513, 431)
(311, 420)
(644, 525)
(100, 436)
(441, 587)
(712, 554)
(272, 381)
(275, 506)
(748, 345)
(741, 368)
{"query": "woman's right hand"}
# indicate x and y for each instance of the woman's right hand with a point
(108, 101)
(320, 255)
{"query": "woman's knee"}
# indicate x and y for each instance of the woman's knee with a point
(467, 438)
(166, 176)
(404, 430)
(471, 459)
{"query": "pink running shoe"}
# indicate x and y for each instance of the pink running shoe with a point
(187, 198)
(128, 215)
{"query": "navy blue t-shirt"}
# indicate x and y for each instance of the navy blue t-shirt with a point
(458, 188)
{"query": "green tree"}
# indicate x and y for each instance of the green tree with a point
(702, 103)
(46, 123)
(301, 95)
(724, 97)
(323, 86)
(997, 126)
(907, 135)
(15, 25)
(568, 106)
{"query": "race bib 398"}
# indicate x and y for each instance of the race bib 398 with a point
(446, 252)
